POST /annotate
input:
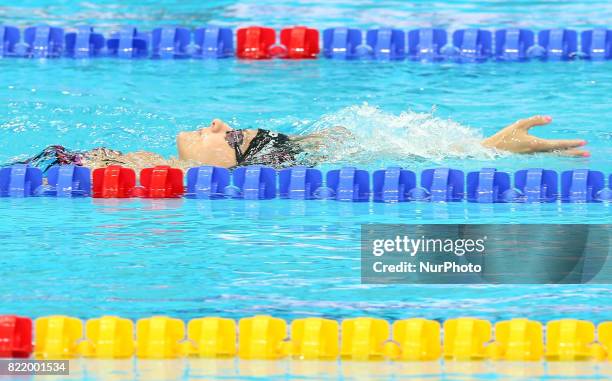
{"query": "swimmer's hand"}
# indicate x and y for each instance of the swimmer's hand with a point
(515, 138)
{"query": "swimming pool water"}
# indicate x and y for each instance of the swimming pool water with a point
(320, 13)
(191, 258)
(277, 257)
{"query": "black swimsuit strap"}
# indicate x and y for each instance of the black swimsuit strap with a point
(235, 138)
(256, 144)
(270, 148)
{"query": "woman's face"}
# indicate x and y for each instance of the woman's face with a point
(206, 145)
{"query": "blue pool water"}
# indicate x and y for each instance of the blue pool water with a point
(188, 258)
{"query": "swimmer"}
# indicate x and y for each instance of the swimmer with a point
(220, 145)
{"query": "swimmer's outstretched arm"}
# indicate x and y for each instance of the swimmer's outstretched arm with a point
(515, 138)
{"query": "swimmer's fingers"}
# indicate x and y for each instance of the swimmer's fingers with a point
(547, 145)
(529, 123)
(575, 153)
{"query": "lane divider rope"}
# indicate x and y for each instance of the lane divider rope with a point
(393, 184)
(267, 337)
(300, 42)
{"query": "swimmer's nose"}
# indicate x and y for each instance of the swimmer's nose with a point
(217, 125)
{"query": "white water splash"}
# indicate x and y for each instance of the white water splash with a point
(377, 135)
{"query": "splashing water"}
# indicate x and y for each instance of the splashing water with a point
(370, 134)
